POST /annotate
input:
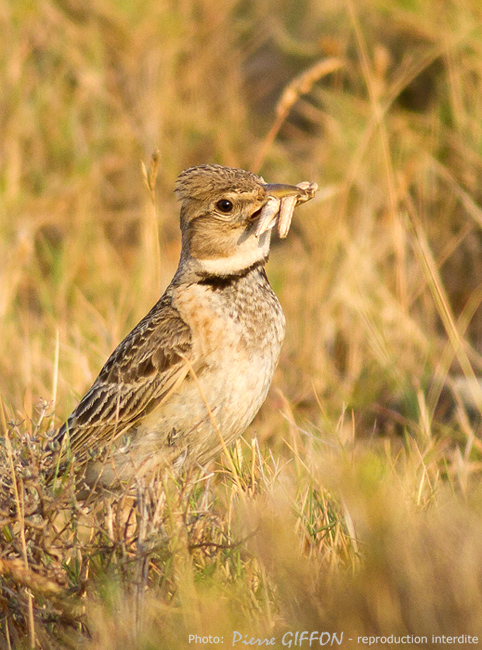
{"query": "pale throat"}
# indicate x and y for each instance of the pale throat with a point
(244, 255)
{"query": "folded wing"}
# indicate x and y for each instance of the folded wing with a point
(141, 372)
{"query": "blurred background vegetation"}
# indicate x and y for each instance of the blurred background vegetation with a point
(371, 432)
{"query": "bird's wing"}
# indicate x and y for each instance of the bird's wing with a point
(141, 372)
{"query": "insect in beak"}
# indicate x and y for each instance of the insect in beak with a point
(282, 200)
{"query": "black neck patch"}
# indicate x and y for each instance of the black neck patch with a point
(225, 281)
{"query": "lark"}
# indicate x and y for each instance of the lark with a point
(191, 376)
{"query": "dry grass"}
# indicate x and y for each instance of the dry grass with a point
(353, 505)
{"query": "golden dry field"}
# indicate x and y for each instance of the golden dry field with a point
(353, 504)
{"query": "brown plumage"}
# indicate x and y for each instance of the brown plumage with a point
(198, 366)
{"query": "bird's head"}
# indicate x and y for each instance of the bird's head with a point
(220, 211)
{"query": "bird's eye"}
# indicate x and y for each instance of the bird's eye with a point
(224, 206)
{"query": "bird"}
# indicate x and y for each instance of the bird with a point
(190, 377)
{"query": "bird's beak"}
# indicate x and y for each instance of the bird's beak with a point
(281, 190)
(280, 203)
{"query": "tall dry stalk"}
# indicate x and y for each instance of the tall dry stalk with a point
(300, 85)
